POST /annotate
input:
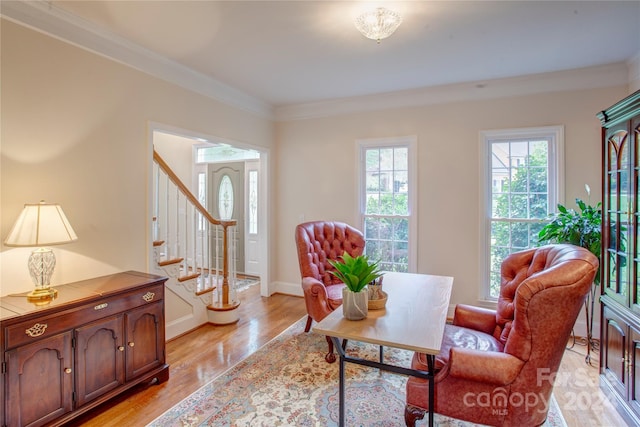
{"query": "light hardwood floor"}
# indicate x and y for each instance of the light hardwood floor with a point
(201, 355)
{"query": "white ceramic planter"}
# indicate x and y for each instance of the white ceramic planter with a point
(354, 304)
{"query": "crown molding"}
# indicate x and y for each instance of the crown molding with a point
(48, 19)
(583, 78)
(44, 17)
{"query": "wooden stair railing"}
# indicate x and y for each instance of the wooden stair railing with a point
(194, 234)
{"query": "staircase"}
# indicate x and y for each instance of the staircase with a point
(195, 251)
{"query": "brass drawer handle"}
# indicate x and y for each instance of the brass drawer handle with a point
(121, 347)
(36, 330)
(131, 344)
(148, 296)
(101, 306)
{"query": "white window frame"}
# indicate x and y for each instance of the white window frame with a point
(411, 142)
(555, 134)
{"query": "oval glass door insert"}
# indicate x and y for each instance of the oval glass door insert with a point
(225, 198)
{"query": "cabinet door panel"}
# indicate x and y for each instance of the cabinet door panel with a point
(613, 353)
(634, 372)
(39, 382)
(99, 358)
(145, 339)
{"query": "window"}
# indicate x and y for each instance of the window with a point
(201, 187)
(253, 201)
(522, 170)
(387, 205)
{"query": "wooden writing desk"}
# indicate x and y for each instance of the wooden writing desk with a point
(413, 319)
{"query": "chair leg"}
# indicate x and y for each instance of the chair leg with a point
(330, 357)
(308, 327)
(412, 414)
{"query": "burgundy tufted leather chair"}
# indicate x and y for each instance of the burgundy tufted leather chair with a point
(318, 242)
(497, 367)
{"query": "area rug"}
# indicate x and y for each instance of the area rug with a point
(245, 282)
(288, 383)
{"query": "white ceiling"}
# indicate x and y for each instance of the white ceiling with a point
(285, 53)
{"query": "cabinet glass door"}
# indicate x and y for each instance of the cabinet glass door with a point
(633, 245)
(617, 215)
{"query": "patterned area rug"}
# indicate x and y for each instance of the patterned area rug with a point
(243, 283)
(288, 383)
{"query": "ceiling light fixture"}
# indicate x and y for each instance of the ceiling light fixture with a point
(378, 24)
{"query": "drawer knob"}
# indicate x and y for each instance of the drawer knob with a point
(131, 344)
(121, 347)
(67, 370)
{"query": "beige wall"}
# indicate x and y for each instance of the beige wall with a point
(177, 152)
(317, 170)
(75, 131)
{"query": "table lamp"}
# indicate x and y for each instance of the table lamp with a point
(40, 225)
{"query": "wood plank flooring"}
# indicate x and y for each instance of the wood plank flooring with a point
(201, 355)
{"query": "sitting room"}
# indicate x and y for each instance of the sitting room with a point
(207, 164)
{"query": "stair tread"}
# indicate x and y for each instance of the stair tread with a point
(170, 261)
(205, 291)
(188, 277)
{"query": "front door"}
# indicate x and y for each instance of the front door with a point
(226, 202)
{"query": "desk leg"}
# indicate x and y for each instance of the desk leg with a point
(430, 364)
(341, 353)
(341, 413)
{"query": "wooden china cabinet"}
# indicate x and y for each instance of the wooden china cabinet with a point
(63, 357)
(620, 260)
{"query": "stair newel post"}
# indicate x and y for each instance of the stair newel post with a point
(225, 264)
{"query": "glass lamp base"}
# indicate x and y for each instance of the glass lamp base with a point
(41, 264)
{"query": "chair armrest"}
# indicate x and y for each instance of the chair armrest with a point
(477, 318)
(482, 366)
(315, 298)
(313, 285)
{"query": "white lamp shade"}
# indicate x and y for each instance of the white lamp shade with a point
(41, 224)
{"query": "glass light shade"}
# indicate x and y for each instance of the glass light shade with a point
(378, 24)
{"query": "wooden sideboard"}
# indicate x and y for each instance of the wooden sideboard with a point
(98, 338)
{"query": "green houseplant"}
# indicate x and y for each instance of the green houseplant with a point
(578, 228)
(582, 229)
(355, 273)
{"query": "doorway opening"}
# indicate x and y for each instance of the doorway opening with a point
(229, 179)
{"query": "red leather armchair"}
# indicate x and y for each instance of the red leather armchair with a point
(317, 243)
(497, 367)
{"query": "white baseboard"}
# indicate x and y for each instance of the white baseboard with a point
(294, 289)
(181, 326)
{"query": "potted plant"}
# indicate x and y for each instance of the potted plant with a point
(355, 273)
(578, 228)
(581, 229)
